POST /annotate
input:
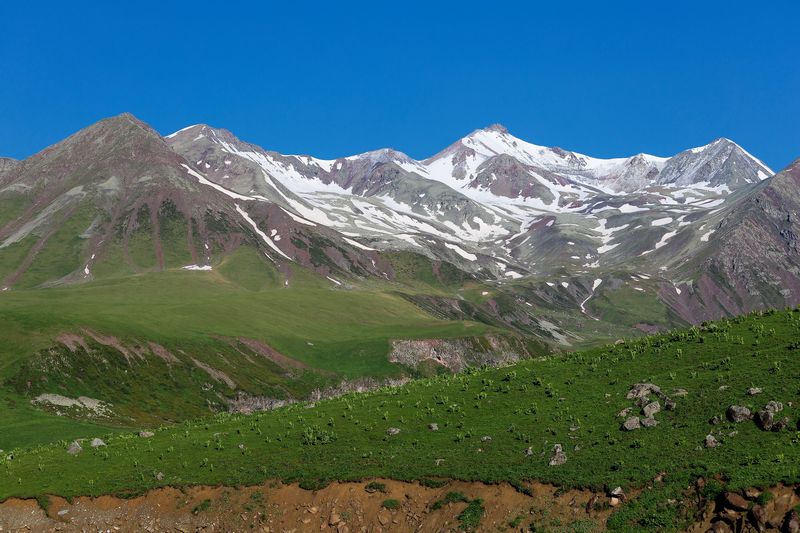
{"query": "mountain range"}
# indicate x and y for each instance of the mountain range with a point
(562, 241)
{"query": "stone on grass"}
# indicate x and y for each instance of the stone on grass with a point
(393, 431)
(74, 448)
(559, 457)
(631, 423)
(529, 451)
(146, 434)
(752, 391)
(649, 422)
(642, 390)
(711, 441)
(486, 438)
(625, 412)
(96, 443)
(765, 420)
(780, 425)
(651, 408)
(774, 407)
(433, 426)
(738, 413)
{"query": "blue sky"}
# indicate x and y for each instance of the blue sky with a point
(336, 78)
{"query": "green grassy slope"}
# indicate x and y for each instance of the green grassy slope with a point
(197, 316)
(569, 399)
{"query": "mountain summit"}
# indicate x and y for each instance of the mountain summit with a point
(116, 199)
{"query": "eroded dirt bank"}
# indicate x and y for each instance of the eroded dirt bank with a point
(341, 507)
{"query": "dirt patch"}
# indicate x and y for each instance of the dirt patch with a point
(163, 353)
(272, 507)
(270, 353)
(112, 342)
(217, 375)
(72, 342)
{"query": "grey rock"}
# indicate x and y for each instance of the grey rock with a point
(670, 405)
(780, 425)
(765, 420)
(96, 443)
(651, 409)
(680, 393)
(160, 476)
(752, 391)
(529, 451)
(774, 407)
(74, 448)
(625, 412)
(738, 413)
(631, 423)
(486, 438)
(433, 426)
(642, 390)
(559, 457)
(146, 434)
(649, 422)
(715, 420)
(711, 441)
(393, 431)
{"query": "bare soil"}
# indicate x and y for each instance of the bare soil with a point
(274, 507)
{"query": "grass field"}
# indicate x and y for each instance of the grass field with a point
(525, 409)
(194, 314)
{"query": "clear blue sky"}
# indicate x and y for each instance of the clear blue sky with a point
(335, 78)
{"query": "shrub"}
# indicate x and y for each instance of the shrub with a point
(450, 497)
(471, 516)
(375, 487)
(390, 504)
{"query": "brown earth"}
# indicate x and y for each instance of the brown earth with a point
(274, 507)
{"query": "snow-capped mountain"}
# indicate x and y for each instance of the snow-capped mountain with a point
(490, 201)
(548, 225)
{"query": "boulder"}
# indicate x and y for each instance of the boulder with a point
(715, 420)
(617, 492)
(529, 451)
(649, 422)
(96, 443)
(625, 412)
(758, 517)
(393, 431)
(774, 407)
(642, 390)
(146, 434)
(734, 501)
(780, 425)
(651, 409)
(670, 405)
(752, 391)
(720, 526)
(631, 423)
(74, 448)
(559, 457)
(711, 441)
(791, 524)
(486, 438)
(738, 413)
(765, 419)
(433, 426)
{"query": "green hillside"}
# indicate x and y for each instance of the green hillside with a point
(571, 399)
(164, 347)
